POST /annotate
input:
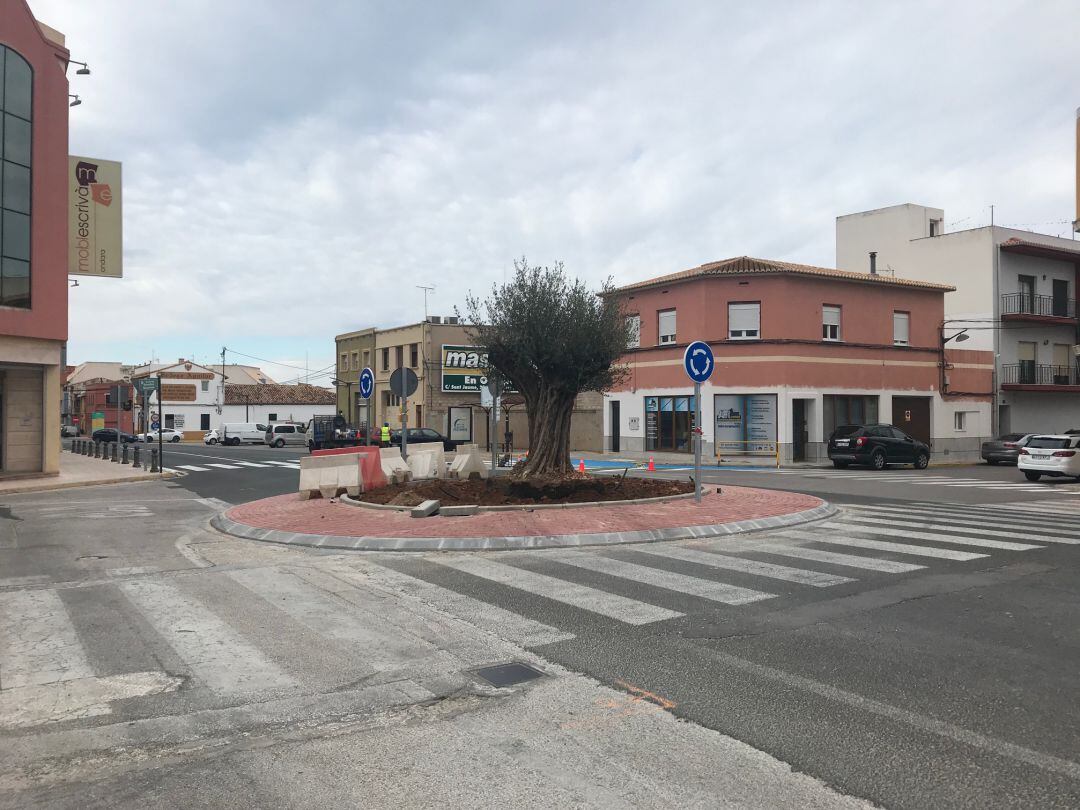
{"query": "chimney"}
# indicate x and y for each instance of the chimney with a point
(1076, 222)
(873, 262)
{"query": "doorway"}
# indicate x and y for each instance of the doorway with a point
(614, 426)
(1061, 299)
(798, 430)
(912, 415)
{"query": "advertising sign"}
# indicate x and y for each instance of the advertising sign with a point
(460, 424)
(95, 218)
(97, 420)
(745, 423)
(465, 368)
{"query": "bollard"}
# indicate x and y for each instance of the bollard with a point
(79, 446)
(82, 447)
(135, 463)
(88, 447)
(123, 454)
(154, 460)
(114, 457)
(97, 449)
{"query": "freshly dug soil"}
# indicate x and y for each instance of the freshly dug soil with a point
(506, 491)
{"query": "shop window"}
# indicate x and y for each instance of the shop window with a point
(666, 326)
(830, 323)
(633, 327)
(16, 133)
(204, 421)
(669, 422)
(901, 328)
(744, 321)
(848, 410)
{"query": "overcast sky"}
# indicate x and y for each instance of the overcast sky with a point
(294, 170)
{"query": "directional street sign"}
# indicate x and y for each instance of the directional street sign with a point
(155, 425)
(698, 361)
(367, 383)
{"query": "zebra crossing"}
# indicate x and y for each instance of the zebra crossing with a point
(208, 466)
(923, 479)
(226, 634)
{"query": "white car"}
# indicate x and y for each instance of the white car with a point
(1050, 455)
(167, 435)
(211, 437)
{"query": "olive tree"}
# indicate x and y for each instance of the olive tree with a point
(552, 338)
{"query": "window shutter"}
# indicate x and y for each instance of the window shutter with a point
(744, 320)
(667, 326)
(901, 328)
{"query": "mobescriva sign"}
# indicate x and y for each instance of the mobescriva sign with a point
(95, 232)
(464, 368)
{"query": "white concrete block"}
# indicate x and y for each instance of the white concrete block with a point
(329, 476)
(427, 462)
(394, 465)
(468, 461)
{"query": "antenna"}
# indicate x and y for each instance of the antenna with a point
(426, 289)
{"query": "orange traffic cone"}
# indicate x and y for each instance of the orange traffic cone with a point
(652, 466)
(581, 466)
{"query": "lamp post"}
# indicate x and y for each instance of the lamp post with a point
(348, 391)
(959, 337)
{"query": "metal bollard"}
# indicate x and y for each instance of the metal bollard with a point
(97, 449)
(135, 463)
(154, 460)
(123, 454)
(88, 447)
(114, 456)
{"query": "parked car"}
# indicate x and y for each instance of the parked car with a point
(1055, 456)
(279, 435)
(167, 435)
(876, 446)
(109, 435)
(424, 436)
(1004, 449)
(242, 433)
(69, 430)
(211, 437)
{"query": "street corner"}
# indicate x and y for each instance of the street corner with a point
(337, 524)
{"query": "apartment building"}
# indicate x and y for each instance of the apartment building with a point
(354, 352)
(1015, 297)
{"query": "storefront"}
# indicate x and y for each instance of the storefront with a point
(745, 424)
(669, 422)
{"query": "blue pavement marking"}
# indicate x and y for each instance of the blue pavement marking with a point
(605, 464)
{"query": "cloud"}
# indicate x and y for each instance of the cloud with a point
(290, 176)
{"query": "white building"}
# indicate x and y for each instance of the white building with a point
(276, 403)
(1015, 295)
(191, 397)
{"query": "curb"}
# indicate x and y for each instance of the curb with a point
(520, 507)
(78, 484)
(246, 532)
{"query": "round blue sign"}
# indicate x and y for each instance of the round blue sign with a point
(155, 425)
(698, 361)
(367, 383)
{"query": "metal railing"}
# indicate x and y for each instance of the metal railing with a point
(1028, 373)
(1050, 306)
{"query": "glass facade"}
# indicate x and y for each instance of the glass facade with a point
(668, 423)
(845, 410)
(16, 102)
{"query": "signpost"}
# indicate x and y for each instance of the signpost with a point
(491, 394)
(698, 363)
(403, 383)
(367, 385)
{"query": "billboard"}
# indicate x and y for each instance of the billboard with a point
(465, 369)
(745, 423)
(95, 232)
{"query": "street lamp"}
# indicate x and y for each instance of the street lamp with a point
(83, 71)
(348, 388)
(75, 100)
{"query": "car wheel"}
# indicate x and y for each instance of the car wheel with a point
(174, 439)
(922, 461)
(212, 441)
(279, 443)
(877, 461)
(235, 442)
(311, 447)
(841, 464)
(1032, 476)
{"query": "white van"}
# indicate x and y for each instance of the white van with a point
(242, 433)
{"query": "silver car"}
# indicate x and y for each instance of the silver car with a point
(279, 435)
(1005, 449)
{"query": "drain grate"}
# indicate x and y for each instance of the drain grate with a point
(509, 674)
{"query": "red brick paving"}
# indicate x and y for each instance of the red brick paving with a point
(289, 513)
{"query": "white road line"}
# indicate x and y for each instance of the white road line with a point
(496, 620)
(191, 467)
(995, 513)
(834, 539)
(659, 578)
(834, 557)
(293, 464)
(966, 522)
(754, 567)
(38, 642)
(223, 466)
(855, 525)
(612, 605)
(945, 529)
(250, 464)
(218, 656)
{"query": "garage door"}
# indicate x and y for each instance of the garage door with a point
(912, 415)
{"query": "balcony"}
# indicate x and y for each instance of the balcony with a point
(1021, 306)
(1026, 376)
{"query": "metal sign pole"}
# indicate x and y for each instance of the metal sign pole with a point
(697, 442)
(161, 429)
(405, 428)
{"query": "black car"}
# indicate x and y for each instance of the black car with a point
(876, 446)
(109, 435)
(424, 436)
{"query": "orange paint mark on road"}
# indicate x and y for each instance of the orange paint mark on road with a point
(644, 694)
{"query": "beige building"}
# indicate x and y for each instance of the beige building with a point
(354, 352)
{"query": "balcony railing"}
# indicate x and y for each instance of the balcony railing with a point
(1027, 373)
(1047, 306)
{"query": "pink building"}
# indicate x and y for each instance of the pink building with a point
(799, 350)
(33, 239)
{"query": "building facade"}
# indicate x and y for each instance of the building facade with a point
(103, 404)
(33, 241)
(799, 350)
(1015, 297)
(354, 352)
(275, 403)
(192, 398)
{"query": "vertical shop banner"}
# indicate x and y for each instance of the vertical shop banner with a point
(460, 424)
(95, 218)
(745, 423)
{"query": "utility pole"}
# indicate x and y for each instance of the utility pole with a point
(424, 337)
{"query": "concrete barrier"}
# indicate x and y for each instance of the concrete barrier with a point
(427, 462)
(330, 476)
(467, 461)
(393, 465)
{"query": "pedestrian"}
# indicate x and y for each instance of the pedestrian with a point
(384, 435)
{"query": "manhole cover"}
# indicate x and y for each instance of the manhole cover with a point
(508, 674)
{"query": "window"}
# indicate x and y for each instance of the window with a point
(830, 323)
(744, 321)
(666, 326)
(15, 153)
(633, 325)
(845, 410)
(1062, 363)
(960, 420)
(414, 355)
(344, 364)
(935, 227)
(205, 385)
(1027, 293)
(386, 359)
(399, 356)
(204, 421)
(669, 423)
(367, 358)
(272, 418)
(356, 361)
(170, 421)
(901, 328)
(1026, 354)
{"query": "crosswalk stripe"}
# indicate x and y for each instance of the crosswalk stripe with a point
(898, 548)
(1063, 509)
(223, 466)
(504, 623)
(612, 605)
(38, 642)
(754, 567)
(250, 464)
(284, 463)
(930, 523)
(219, 658)
(860, 526)
(1045, 512)
(1039, 521)
(192, 467)
(963, 522)
(836, 558)
(659, 578)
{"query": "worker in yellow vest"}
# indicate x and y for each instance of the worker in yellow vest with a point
(384, 435)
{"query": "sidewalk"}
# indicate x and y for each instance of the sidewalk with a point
(78, 471)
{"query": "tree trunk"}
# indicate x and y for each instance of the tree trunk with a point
(549, 437)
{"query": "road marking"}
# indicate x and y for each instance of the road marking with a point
(870, 526)
(219, 658)
(75, 700)
(659, 578)
(38, 643)
(612, 605)
(284, 463)
(972, 524)
(899, 548)
(191, 467)
(755, 567)
(834, 557)
(1045, 516)
(223, 466)
(250, 464)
